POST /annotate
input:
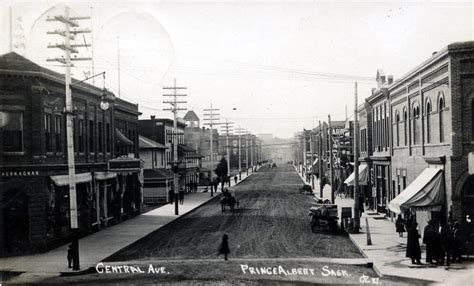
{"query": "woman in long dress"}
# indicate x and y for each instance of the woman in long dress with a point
(413, 244)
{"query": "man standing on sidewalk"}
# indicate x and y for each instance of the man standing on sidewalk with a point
(181, 196)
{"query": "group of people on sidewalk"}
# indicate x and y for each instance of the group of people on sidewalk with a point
(445, 242)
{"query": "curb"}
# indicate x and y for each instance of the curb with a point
(216, 195)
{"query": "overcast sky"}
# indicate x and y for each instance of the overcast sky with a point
(283, 65)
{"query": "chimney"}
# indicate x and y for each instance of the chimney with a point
(152, 117)
(390, 79)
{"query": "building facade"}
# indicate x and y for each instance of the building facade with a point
(34, 193)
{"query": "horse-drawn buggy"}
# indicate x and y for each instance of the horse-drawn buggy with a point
(306, 190)
(323, 216)
(229, 200)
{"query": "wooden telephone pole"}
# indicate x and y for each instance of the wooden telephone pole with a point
(227, 129)
(68, 48)
(212, 118)
(174, 108)
(356, 165)
(331, 160)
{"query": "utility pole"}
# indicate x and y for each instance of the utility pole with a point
(118, 64)
(312, 157)
(320, 160)
(247, 151)
(212, 118)
(239, 132)
(92, 49)
(252, 146)
(174, 108)
(331, 160)
(227, 129)
(305, 161)
(11, 28)
(356, 166)
(69, 48)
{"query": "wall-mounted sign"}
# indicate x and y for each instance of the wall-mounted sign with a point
(24, 173)
(125, 165)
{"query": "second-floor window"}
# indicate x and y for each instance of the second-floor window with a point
(47, 132)
(100, 132)
(57, 133)
(12, 131)
(107, 141)
(80, 131)
(91, 137)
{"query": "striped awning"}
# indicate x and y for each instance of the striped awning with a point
(426, 192)
(63, 180)
(363, 176)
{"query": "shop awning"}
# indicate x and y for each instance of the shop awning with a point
(104, 175)
(425, 192)
(63, 180)
(157, 174)
(363, 176)
(122, 139)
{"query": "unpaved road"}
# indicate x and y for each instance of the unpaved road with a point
(272, 222)
(271, 232)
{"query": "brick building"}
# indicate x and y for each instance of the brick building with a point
(432, 127)
(34, 193)
(161, 131)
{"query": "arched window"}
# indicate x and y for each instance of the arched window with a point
(441, 106)
(405, 124)
(428, 121)
(397, 129)
(416, 118)
(376, 118)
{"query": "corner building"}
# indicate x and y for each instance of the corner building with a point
(34, 193)
(431, 133)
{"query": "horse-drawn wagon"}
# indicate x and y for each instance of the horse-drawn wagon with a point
(229, 200)
(323, 216)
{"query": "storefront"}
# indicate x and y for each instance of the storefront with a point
(129, 186)
(424, 198)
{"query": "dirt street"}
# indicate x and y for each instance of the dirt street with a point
(272, 222)
(269, 237)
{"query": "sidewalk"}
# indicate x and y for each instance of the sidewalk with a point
(387, 252)
(102, 244)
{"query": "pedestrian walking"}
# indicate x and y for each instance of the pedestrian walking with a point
(429, 240)
(400, 225)
(458, 244)
(171, 196)
(181, 196)
(413, 244)
(361, 204)
(70, 255)
(235, 179)
(447, 243)
(224, 248)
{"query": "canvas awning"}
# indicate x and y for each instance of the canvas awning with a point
(363, 176)
(425, 192)
(63, 180)
(104, 175)
(122, 139)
